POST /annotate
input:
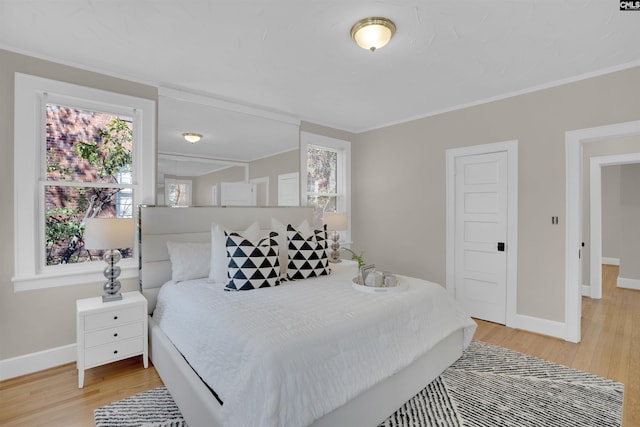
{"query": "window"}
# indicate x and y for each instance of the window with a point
(87, 174)
(177, 192)
(79, 151)
(326, 177)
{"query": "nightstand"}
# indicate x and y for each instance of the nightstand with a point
(110, 331)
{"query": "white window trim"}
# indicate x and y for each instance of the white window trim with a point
(30, 92)
(172, 181)
(344, 171)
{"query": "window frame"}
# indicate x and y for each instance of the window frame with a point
(174, 181)
(31, 94)
(343, 172)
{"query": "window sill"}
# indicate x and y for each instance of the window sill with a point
(72, 276)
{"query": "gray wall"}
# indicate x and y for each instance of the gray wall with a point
(630, 221)
(611, 227)
(37, 320)
(273, 166)
(202, 184)
(398, 178)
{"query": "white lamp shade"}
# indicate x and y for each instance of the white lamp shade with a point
(335, 221)
(108, 233)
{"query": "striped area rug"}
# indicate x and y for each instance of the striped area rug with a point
(491, 386)
(153, 408)
(488, 386)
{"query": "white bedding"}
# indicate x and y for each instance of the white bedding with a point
(288, 355)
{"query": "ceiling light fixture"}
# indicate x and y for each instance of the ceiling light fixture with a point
(191, 137)
(373, 33)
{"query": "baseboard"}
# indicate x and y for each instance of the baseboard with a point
(586, 290)
(539, 326)
(611, 261)
(39, 361)
(628, 283)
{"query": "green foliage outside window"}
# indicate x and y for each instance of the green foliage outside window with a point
(81, 148)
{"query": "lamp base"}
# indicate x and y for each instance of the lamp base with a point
(112, 286)
(334, 256)
(111, 297)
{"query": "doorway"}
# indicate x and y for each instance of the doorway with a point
(573, 241)
(595, 209)
(481, 229)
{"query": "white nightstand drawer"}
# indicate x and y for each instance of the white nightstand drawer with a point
(114, 351)
(110, 331)
(114, 334)
(112, 318)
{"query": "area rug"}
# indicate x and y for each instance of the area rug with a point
(488, 386)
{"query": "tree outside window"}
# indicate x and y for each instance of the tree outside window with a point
(322, 178)
(88, 174)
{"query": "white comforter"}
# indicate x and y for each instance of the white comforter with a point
(288, 355)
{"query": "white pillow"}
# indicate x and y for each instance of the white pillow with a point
(189, 260)
(218, 262)
(304, 228)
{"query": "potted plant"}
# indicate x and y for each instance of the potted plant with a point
(356, 257)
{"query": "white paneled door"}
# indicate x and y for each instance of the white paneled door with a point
(481, 191)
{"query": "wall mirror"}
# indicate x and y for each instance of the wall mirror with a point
(246, 156)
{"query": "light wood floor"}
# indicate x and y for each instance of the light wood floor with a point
(610, 347)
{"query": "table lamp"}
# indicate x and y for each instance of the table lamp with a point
(335, 222)
(110, 234)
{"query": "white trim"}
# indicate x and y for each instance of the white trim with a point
(263, 180)
(39, 361)
(586, 290)
(595, 201)
(71, 276)
(573, 146)
(229, 105)
(511, 147)
(500, 97)
(344, 168)
(610, 261)
(628, 283)
(539, 326)
(30, 93)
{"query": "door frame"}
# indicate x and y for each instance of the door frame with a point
(573, 266)
(263, 180)
(511, 148)
(596, 163)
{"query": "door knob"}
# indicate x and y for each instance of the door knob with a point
(500, 246)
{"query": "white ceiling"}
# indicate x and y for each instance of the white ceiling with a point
(297, 57)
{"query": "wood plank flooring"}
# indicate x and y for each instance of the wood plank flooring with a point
(610, 347)
(52, 397)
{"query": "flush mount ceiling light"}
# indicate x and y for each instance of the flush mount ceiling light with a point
(373, 33)
(191, 137)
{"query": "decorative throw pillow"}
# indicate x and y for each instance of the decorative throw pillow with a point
(189, 260)
(281, 229)
(252, 266)
(219, 263)
(307, 255)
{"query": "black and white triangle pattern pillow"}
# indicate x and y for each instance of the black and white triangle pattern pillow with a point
(307, 256)
(252, 266)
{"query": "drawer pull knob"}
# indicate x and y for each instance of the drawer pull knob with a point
(115, 351)
(115, 335)
(115, 317)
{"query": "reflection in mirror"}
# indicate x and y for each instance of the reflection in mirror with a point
(239, 144)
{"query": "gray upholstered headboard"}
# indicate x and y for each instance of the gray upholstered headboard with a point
(159, 224)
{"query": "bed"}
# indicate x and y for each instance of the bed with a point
(355, 386)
